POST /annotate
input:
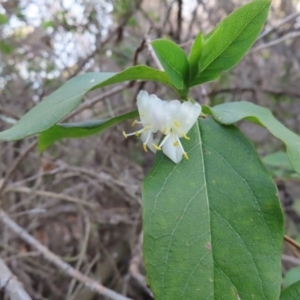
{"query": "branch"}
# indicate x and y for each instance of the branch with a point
(282, 22)
(51, 257)
(16, 164)
(292, 242)
(152, 53)
(277, 41)
(11, 285)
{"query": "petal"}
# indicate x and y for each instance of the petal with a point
(160, 117)
(145, 104)
(173, 152)
(188, 115)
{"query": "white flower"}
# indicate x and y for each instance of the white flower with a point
(145, 103)
(174, 119)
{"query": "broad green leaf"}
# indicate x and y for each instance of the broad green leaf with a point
(229, 113)
(78, 130)
(231, 40)
(292, 292)
(213, 225)
(195, 55)
(174, 62)
(64, 100)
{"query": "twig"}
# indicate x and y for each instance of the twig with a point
(96, 99)
(292, 242)
(291, 259)
(277, 41)
(16, 164)
(10, 284)
(282, 22)
(152, 53)
(51, 257)
(25, 190)
(179, 20)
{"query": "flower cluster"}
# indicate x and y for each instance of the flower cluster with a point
(172, 118)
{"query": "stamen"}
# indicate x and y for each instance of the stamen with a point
(134, 123)
(156, 147)
(164, 131)
(164, 140)
(185, 136)
(175, 144)
(185, 156)
(146, 128)
(177, 124)
(145, 147)
(183, 152)
(136, 133)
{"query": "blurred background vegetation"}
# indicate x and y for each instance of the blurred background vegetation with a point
(82, 198)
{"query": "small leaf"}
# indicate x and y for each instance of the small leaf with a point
(78, 130)
(195, 54)
(174, 62)
(292, 292)
(5, 48)
(231, 39)
(291, 276)
(64, 100)
(229, 113)
(3, 19)
(213, 225)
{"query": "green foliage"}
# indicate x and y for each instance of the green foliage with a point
(292, 292)
(292, 276)
(174, 62)
(279, 165)
(3, 19)
(78, 130)
(5, 48)
(195, 55)
(229, 113)
(201, 235)
(230, 40)
(64, 100)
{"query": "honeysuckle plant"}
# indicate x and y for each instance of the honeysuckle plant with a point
(213, 225)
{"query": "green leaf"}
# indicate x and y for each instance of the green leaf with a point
(195, 54)
(279, 166)
(292, 276)
(78, 130)
(213, 225)
(231, 40)
(5, 48)
(3, 19)
(229, 113)
(292, 292)
(174, 62)
(64, 100)
(279, 160)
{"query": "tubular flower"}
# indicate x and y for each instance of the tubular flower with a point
(174, 119)
(145, 103)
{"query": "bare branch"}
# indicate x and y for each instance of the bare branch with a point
(277, 41)
(152, 53)
(11, 285)
(282, 22)
(51, 257)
